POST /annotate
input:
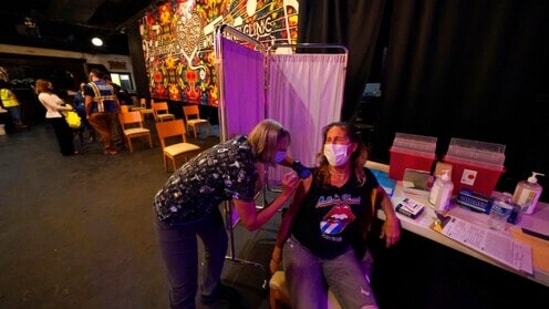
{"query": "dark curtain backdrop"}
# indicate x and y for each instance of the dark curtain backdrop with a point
(354, 24)
(474, 70)
(467, 69)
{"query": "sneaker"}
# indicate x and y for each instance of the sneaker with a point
(223, 294)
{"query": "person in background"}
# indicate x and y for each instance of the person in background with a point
(101, 106)
(118, 131)
(79, 105)
(122, 96)
(323, 231)
(10, 102)
(5, 120)
(187, 206)
(54, 105)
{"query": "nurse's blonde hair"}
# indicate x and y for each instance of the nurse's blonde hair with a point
(264, 138)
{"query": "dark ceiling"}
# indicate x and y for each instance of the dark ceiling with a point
(70, 24)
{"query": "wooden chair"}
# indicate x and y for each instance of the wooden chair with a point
(136, 105)
(166, 131)
(161, 112)
(132, 127)
(120, 128)
(124, 108)
(143, 108)
(193, 120)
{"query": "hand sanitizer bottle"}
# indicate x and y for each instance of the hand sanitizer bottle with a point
(527, 193)
(441, 192)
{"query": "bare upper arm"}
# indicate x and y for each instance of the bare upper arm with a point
(300, 194)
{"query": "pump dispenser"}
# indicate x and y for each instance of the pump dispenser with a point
(441, 192)
(527, 193)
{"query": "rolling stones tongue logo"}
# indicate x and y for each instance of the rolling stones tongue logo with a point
(336, 220)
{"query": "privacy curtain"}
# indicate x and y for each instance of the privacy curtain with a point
(243, 104)
(305, 93)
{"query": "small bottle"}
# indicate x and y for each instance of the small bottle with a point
(515, 215)
(527, 193)
(500, 211)
(441, 192)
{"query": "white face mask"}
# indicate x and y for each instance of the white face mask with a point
(336, 154)
(279, 156)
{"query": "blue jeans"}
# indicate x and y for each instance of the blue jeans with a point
(309, 277)
(179, 248)
(15, 113)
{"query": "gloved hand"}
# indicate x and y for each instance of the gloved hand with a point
(301, 170)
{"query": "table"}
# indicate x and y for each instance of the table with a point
(539, 222)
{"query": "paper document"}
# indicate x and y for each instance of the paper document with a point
(500, 247)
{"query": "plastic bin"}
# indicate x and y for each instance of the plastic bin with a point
(475, 176)
(416, 143)
(476, 165)
(411, 151)
(481, 152)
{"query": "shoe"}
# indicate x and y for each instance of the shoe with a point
(110, 152)
(222, 294)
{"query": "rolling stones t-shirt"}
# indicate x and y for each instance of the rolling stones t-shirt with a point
(220, 173)
(327, 222)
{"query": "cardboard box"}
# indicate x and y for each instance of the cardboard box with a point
(440, 167)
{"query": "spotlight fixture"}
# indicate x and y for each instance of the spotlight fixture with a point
(97, 41)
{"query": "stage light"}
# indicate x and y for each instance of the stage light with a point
(97, 41)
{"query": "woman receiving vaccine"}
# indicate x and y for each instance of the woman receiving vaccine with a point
(323, 231)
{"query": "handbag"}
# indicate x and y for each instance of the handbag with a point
(72, 119)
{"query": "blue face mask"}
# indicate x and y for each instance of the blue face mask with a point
(279, 156)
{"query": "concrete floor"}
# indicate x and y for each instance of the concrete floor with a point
(77, 232)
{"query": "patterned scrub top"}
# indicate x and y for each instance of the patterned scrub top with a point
(223, 172)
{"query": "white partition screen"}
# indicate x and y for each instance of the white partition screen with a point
(305, 93)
